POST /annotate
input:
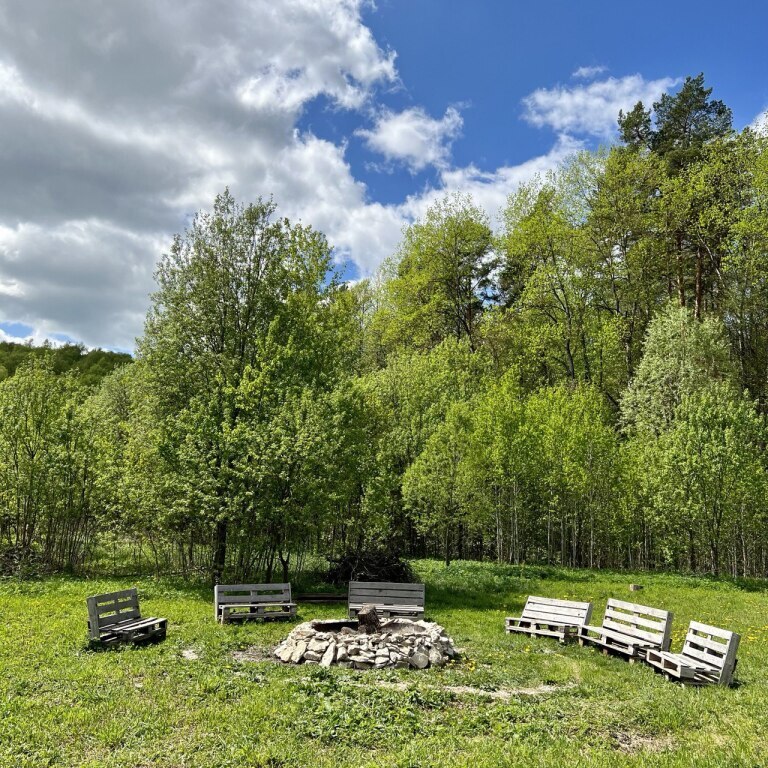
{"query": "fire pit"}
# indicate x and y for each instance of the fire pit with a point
(399, 643)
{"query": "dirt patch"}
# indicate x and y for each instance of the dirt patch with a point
(255, 653)
(632, 743)
(499, 694)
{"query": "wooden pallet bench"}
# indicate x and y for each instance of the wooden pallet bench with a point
(390, 598)
(550, 618)
(252, 601)
(115, 618)
(629, 630)
(708, 656)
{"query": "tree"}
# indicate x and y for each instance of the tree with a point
(240, 296)
(440, 281)
(680, 356)
(711, 473)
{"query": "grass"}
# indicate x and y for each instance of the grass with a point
(64, 705)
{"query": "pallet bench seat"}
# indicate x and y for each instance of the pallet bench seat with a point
(252, 601)
(115, 617)
(549, 617)
(630, 630)
(390, 598)
(708, 656)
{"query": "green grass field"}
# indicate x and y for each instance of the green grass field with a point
(533, 702)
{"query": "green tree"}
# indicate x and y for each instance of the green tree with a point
(440, 281)
(241, 297)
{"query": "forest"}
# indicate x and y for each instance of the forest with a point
(585, 384)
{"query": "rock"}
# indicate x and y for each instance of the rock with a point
(328, 656)
(402, 664)
(298, 651)
(312, 656)
(436, 658)
(318, 646)
(341, 654)
(364, 664)
(285, 654)
(418, 660)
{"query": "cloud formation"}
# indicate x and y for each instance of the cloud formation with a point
(121, 120)
(138, 114)
(591, 109)
(587, 73)
(413, 137)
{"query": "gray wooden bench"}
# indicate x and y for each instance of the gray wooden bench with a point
(630, 630)
(708, 656)
(115, 617)
(550, 617)
(390, 598)
(253, 601)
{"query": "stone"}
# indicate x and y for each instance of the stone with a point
(298, 651)
(285, 654)
(329, 656)
(400, 643)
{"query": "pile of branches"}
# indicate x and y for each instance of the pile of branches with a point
(21, 562)
(369, 565)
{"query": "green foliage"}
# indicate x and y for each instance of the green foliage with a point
(440, 279)
(681, 356)
(510, 700)
(585, 388)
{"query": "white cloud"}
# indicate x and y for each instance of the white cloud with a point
(123, 119)
(760, 123)
(413, 137)
(587, 73)
(490, 190)
(591, 109)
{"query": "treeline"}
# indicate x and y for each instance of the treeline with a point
(587, 386)
(92, 365)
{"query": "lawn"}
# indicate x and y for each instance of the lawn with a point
(207, 696)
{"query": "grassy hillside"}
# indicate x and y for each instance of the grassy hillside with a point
(208, 697)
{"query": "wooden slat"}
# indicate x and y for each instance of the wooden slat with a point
(552, 618)
(652, 637)
(389, 586)
(618, 636)
(634, 619)
(643, 609)
(715, 631)
(706, 642)
(554, 609)
(563, 603)
(132, 592)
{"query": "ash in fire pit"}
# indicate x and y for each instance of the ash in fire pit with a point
(400, 643)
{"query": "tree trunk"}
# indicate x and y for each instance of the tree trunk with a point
(219, 551)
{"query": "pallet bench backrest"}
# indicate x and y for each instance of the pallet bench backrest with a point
(112, 608)
(640, 621)
(251, 594)
(386, 593)
(556, 612)
(714, 647)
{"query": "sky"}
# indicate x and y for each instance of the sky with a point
(119, 120)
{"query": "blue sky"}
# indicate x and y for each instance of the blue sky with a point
(121, 120)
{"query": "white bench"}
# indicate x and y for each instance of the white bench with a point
(708, 656)
(115, 617)
(550, 617)
(630, 630)
(252, 601)
(390, 598)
